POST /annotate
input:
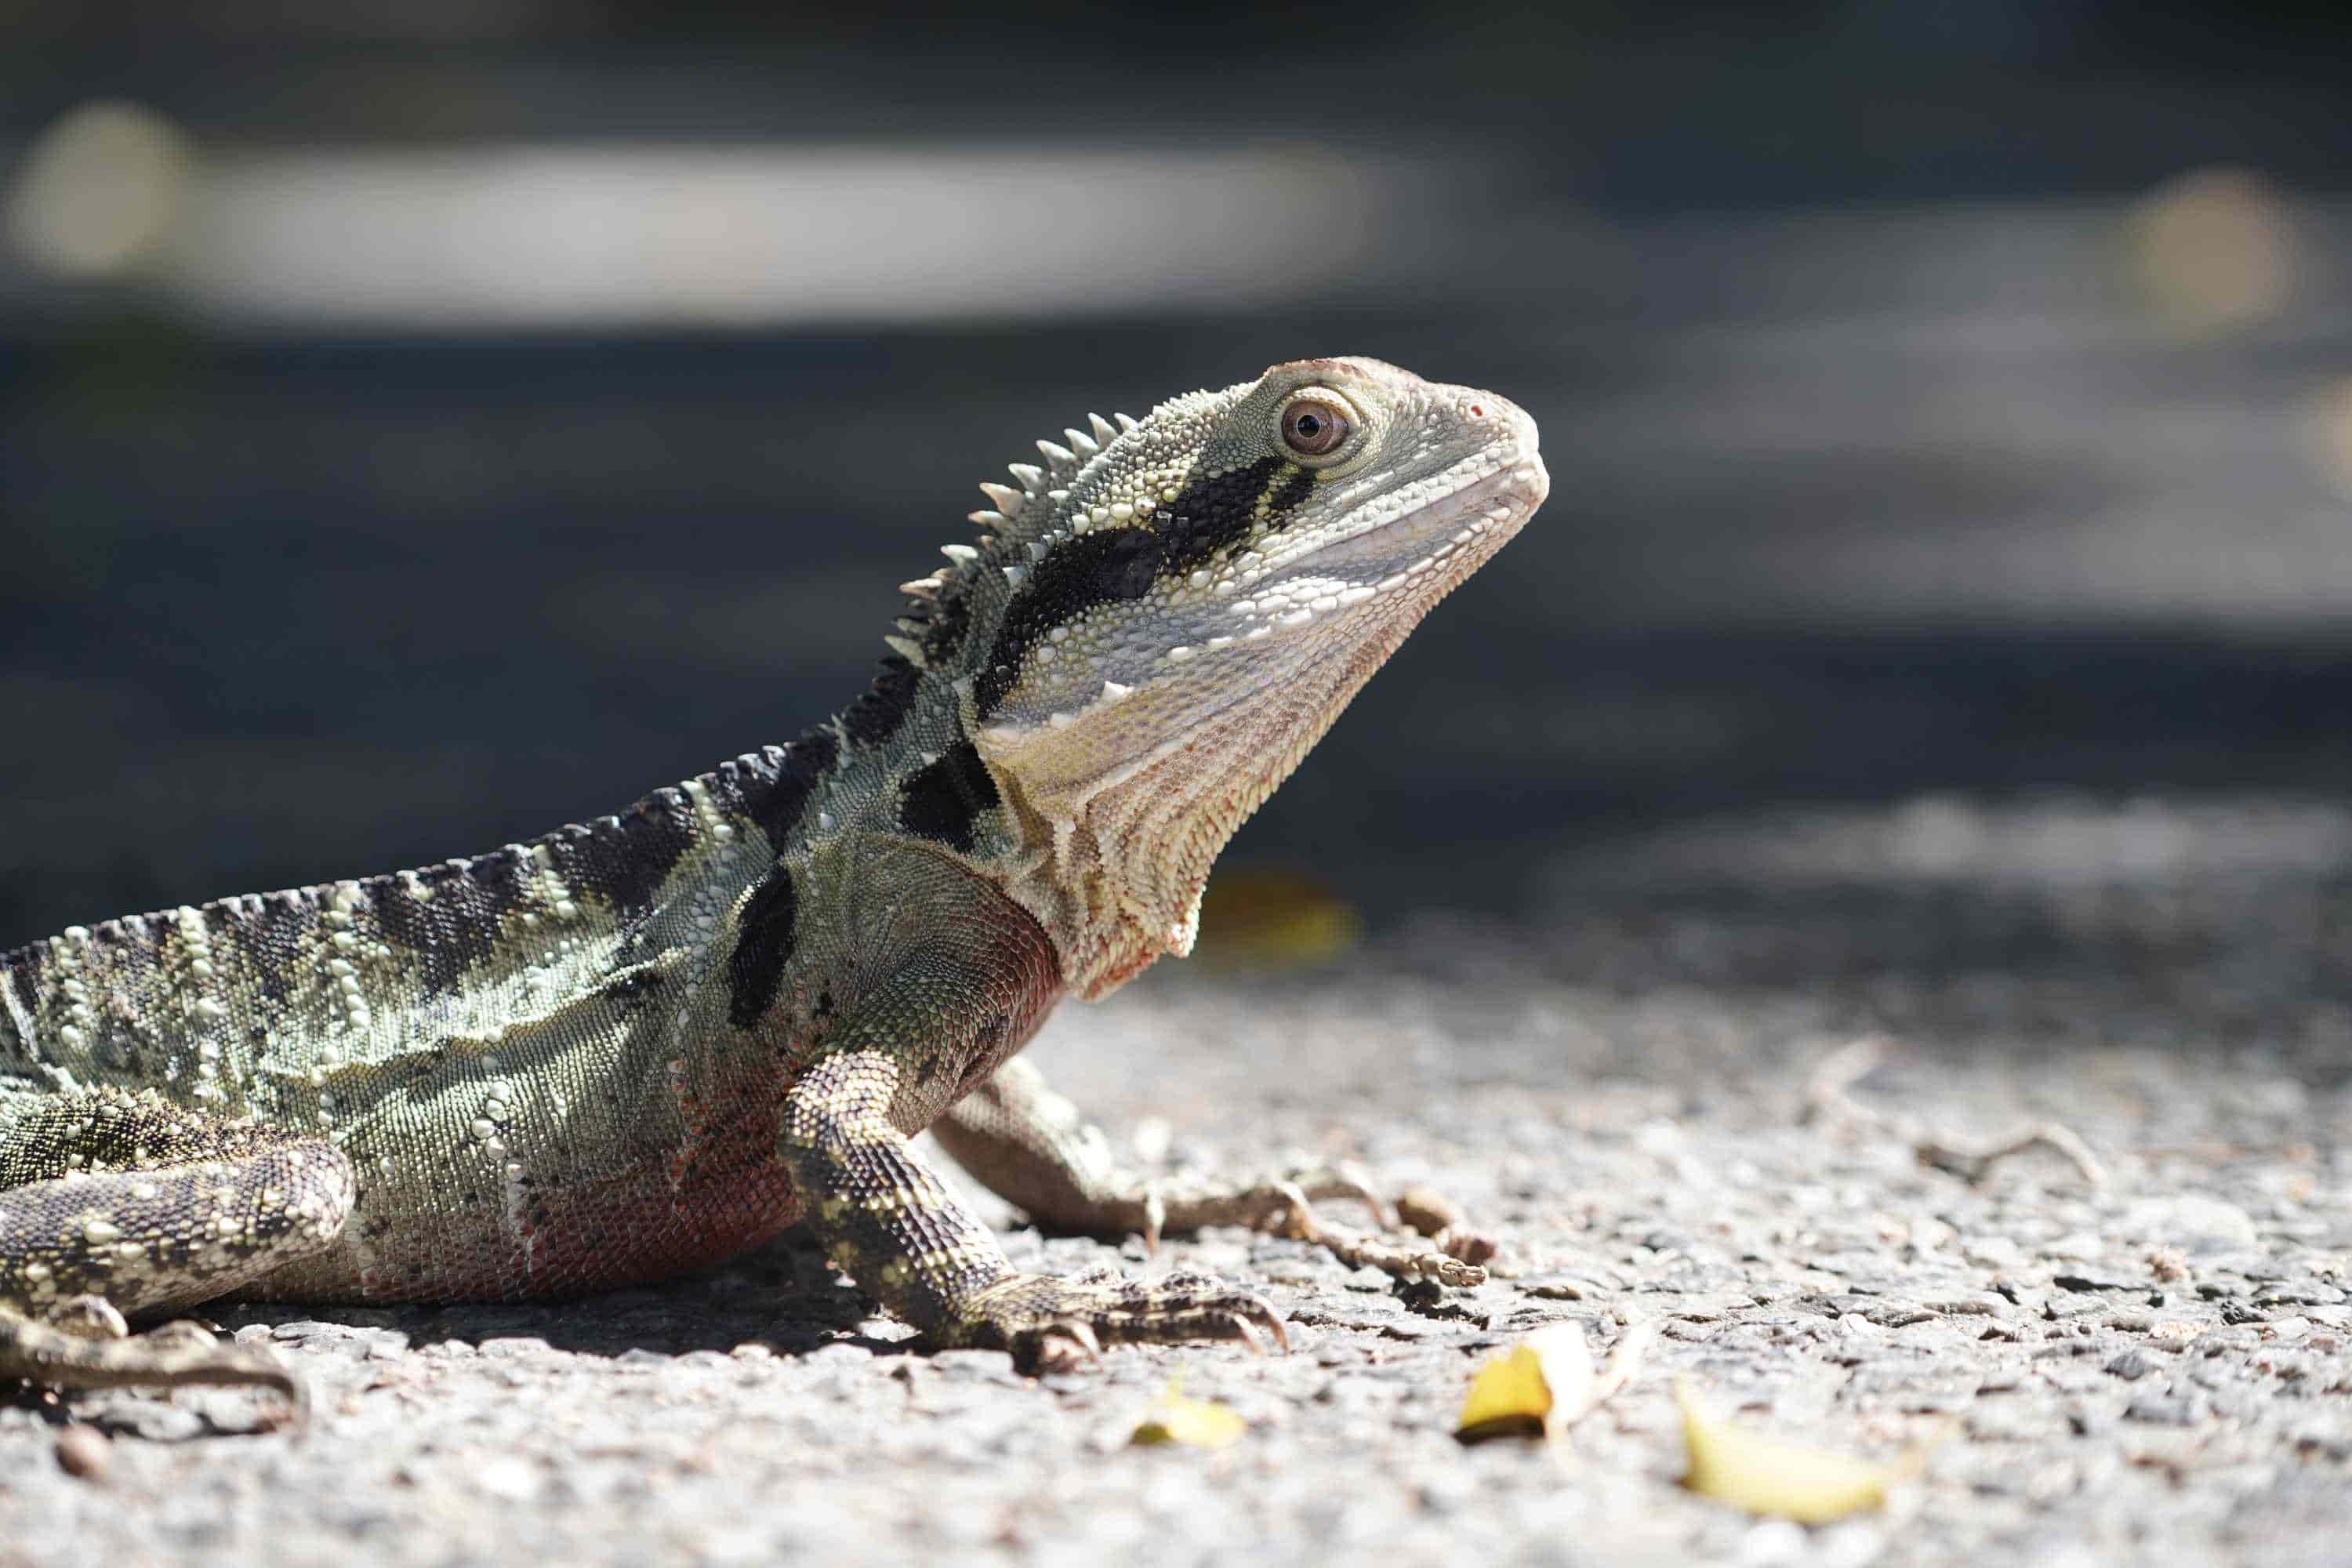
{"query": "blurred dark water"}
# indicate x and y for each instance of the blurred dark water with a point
(280, 610)
(1879, 473)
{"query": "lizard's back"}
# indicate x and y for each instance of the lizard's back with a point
(489, 1039)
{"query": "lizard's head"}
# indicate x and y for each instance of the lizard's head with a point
(1193, 597)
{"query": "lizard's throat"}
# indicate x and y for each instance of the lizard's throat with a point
(1123, 852)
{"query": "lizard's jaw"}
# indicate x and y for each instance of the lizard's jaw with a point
(1401, 562)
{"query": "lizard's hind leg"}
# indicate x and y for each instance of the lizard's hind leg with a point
(115, 1205)
(1031, 1147)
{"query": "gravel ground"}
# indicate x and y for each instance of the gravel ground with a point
(1645, 1096)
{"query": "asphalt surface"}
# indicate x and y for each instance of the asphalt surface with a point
(1651, 1095)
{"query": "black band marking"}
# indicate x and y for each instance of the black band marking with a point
(775, 793)
(943, 802)
(764, 947)
(629, 861)
(456, 923)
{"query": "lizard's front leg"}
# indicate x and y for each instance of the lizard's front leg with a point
(115, 1205)
(1030, 1146)
(885, 1220)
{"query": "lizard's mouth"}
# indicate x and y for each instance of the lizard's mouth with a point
(1410, 558)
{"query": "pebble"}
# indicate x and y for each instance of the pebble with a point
(84, 1453)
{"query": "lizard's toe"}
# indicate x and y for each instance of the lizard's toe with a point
(180, 1336)
(1341, 1180)
(88, 1318)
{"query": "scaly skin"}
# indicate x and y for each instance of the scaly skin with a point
(630, 1047)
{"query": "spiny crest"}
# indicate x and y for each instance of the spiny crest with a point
(930, 627)
(1017, 513)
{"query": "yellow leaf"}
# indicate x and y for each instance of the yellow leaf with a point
(1194, 1423)
(1763, 1475)
(1532, 1390)
(1263, 918)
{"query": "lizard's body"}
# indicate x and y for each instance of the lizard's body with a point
(635, 1046)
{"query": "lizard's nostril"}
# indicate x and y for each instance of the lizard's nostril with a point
(1477, 411)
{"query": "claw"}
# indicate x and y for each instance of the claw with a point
(1297, 1219)
(183, 1334)
(1155, 1217)
(1352, 1181)
(88, 1318)
(1079, 1330)
(1050, 1354)
(1064, 1345)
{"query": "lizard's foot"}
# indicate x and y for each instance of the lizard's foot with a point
(175, 1356)
(1030, 1146)
(1269, 1204)
(1284, 1205)
(1050, 1322)
(1402, 1257)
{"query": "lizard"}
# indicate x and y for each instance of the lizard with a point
(649, 1041)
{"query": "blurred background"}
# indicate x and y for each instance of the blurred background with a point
(425, 423)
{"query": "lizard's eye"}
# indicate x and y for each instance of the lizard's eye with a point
(1315, 425)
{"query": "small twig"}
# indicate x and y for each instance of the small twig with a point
(1827, 1086)
(1974, 1165)
(1828, 1098)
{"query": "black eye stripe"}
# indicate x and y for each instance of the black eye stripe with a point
(1102, 568)
(1210, 515)
(1129, 564)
